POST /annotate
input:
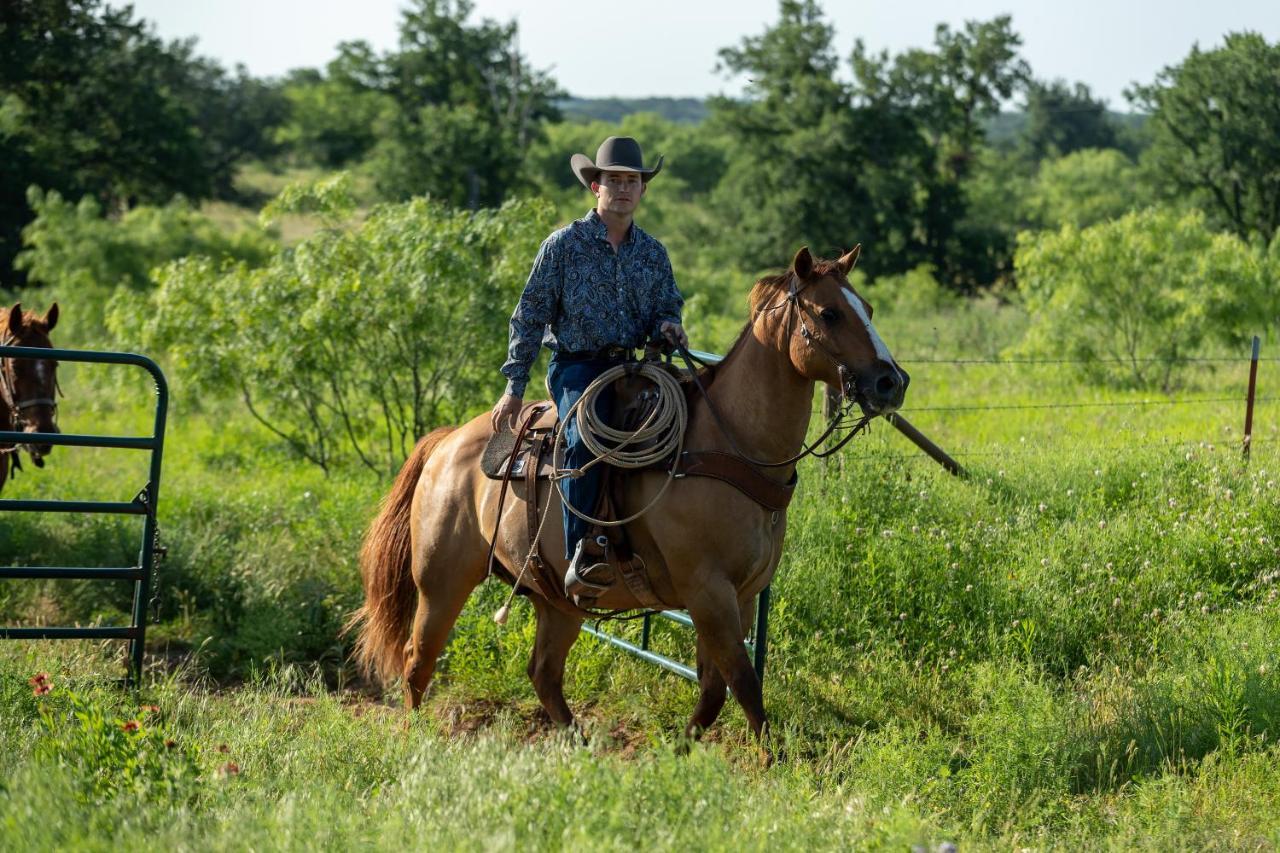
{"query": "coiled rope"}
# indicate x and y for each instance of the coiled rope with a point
(660, 435)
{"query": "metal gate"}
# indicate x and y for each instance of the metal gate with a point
(143, 504)
(757, 641)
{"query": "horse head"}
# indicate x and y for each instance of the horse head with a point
(29, 386)
(824, 326)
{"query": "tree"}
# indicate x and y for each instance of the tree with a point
(93, 103)
(1062, 119)
(1215, 132)
(946, 95)
(805, 167)
(468, 107)
(1085, 188)
(334, 117)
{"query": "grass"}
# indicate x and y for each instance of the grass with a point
(1075, 647)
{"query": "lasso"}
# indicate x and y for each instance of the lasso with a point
(659, 437)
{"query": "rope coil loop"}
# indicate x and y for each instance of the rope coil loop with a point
(659, 437)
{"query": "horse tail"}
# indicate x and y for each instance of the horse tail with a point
(386, 565)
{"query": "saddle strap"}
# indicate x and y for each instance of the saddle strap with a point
(738, 473)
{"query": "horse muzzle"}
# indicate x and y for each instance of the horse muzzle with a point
(881, 390)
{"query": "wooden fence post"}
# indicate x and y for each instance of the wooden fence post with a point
(1248, 406)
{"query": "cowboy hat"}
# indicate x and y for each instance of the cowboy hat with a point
(616, 154)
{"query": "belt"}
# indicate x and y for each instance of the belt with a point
(603, 354)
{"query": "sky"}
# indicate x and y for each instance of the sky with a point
(590, 50)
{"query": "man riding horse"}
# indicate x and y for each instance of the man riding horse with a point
(600, 288)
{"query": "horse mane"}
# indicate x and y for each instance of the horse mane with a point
(765, 293)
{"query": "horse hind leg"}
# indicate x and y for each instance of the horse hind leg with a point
(557, 633)
(442, 593)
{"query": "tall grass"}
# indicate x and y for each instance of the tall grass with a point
(1075, 646)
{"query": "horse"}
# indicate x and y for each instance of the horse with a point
(707, 547)
(27, 386)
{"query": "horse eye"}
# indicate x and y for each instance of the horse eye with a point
(830, 315)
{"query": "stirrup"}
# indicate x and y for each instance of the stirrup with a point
(578, 581)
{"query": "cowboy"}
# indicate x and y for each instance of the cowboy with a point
(599, 289)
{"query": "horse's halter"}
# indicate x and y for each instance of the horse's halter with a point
(796, 309)
(9, 389)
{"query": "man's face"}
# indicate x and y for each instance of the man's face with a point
(618, 192)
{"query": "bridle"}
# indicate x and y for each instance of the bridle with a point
(796, 310)
(9, 394)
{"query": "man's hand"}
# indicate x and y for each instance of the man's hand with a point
(674, 332)
(505, 412)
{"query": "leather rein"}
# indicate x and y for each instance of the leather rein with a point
(789, 302)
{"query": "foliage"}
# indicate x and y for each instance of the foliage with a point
(80, 257)
(1142, 293)
(467, 107)
(74, 248)
(93, 103)
(1084, 188)
(360, 339)
(690, 111)
(1215, 130)
(110, 755)
(1062, 119)
(334, 118)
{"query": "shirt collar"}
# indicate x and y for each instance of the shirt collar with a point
(599, 230)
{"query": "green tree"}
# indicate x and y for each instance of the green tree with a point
(1138, 295)
(334, 117)
(946, 96)
(1215, 132)
(468, 107)
(1062, 119)
(805, 166)
(93, 103)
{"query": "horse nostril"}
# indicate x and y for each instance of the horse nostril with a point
(887, 384)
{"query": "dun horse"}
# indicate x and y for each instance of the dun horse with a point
(708, 547)
(27, 386)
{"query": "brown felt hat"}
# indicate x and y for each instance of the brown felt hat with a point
(615, 154)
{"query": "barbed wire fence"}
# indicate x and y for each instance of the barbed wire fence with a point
(1247, 399)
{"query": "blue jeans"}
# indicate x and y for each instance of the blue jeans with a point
(568, 379)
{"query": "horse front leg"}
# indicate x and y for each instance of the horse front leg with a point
(717, 618)
(711, 695)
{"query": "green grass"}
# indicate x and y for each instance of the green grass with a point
(1073, 647)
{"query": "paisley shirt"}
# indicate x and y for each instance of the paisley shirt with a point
(582, 296)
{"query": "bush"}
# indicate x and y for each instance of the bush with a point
(1142, 293)
(1085, 188)
(82, 256)
(361, 338)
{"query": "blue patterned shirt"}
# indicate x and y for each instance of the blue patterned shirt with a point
(582, 296)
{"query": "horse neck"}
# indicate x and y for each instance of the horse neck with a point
(761, 400)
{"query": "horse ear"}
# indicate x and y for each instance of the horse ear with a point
(849, 261)
(802, 266)
(51, 317)
(15, 317)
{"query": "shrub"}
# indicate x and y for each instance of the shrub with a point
(364, 336)
(1143, 293)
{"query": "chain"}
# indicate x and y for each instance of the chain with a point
(158, 551)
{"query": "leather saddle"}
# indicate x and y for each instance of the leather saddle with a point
(538, 435)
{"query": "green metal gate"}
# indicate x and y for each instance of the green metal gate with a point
(143, 504)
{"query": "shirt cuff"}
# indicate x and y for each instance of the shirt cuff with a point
(516, 389)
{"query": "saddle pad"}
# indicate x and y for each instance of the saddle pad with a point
(493, 462)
